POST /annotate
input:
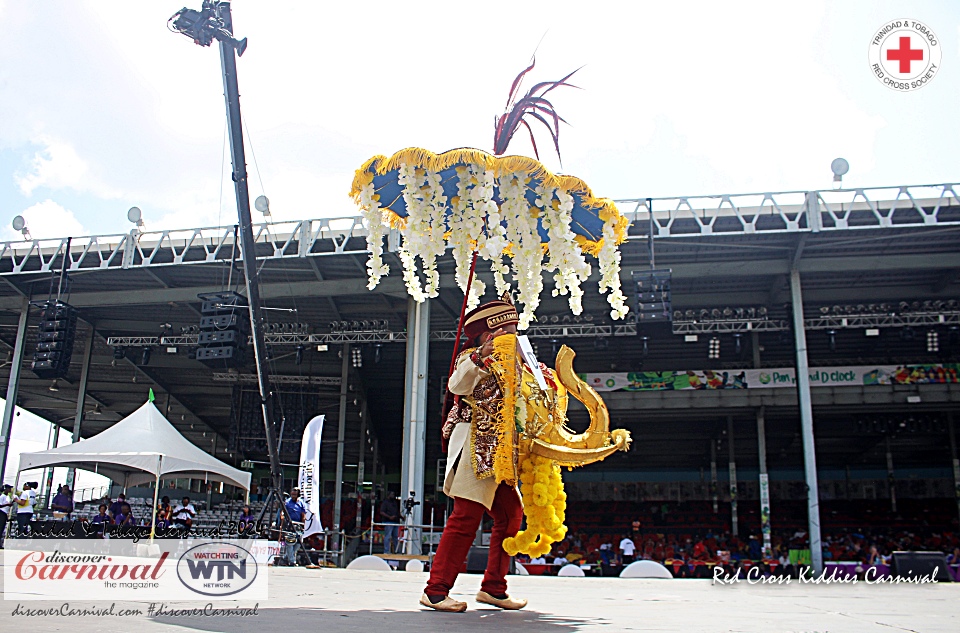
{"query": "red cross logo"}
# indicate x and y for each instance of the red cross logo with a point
(905, 54)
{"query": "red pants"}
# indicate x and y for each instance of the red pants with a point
(458, 536)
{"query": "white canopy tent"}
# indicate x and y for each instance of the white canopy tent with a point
(142, 447)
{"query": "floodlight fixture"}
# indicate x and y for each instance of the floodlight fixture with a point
(204, 26)
(262, 204)
(135, 216)
(713, 351)
(20, 224)
(933, 341)
(839, 167)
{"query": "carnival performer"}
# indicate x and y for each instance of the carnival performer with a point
(471, 430)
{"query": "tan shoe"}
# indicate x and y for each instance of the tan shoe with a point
(508, 603)
(447, 604)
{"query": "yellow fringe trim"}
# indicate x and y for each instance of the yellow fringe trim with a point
(506, 367)
(425, 159)
(544, 505)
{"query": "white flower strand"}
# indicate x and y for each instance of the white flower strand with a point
(609, 258)
(522, 232)
(372, 213)
(424, 233)
(466, 231)
(565, 256)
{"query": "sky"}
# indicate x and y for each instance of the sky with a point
(102, 108)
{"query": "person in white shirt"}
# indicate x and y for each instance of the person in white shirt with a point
(627, 548)
(25, 502)
(184, 513)
(540, 560)
(560, 561)
(6, 502)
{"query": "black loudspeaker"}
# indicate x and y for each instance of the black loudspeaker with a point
(477, 559)
(224, 328)
(57, 330)
(914, 564)
(652, 301)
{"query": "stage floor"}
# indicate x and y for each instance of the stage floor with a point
(334, 600)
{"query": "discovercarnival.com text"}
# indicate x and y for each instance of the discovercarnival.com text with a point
(154, 610)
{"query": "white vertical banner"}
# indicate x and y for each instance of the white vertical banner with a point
(309, 480)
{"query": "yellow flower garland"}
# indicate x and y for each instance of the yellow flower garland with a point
(544, 505)
(506, 368)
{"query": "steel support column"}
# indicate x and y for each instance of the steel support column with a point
(734, 522)
(81, 400)
(341, 435)
(764, 481)
(954, 459)
(891, 480)
(414, 413)
(714, 486)
(806, 424)
(13, 384)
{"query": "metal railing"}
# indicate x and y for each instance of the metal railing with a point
(414, 531)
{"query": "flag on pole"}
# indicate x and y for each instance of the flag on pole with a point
(309, 480)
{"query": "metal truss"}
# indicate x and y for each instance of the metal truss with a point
(140, 249)
(795, 211)
(861, 321)
(225, 376)
(733, 214)
(849, 321)
(386, 336)
(724, 327)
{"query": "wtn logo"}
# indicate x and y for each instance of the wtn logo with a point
(217, 569)
(225, 569)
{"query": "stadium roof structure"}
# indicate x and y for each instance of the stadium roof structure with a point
(854, 250)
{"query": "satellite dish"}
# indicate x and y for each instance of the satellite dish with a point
(839, 167)
(262, 204)
(18, 223)
(134, 215)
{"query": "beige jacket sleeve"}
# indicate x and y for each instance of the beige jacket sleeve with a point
(465, 376)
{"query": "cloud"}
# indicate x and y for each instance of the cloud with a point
(47, 219)
(58, 166)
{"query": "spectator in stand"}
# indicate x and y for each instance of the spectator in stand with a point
(6, 502)
(390, 515)
(101, 519)
(62, 505)
(627, 549)
(164, 513)
(559, 560)
(755, 551)
(246, 522)
(636, 528)
(873, 557)
(954, 558)
(125, 517)
(116, 507)
(606, 553)
(25, 502)
(540, 560)
(184, 514)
